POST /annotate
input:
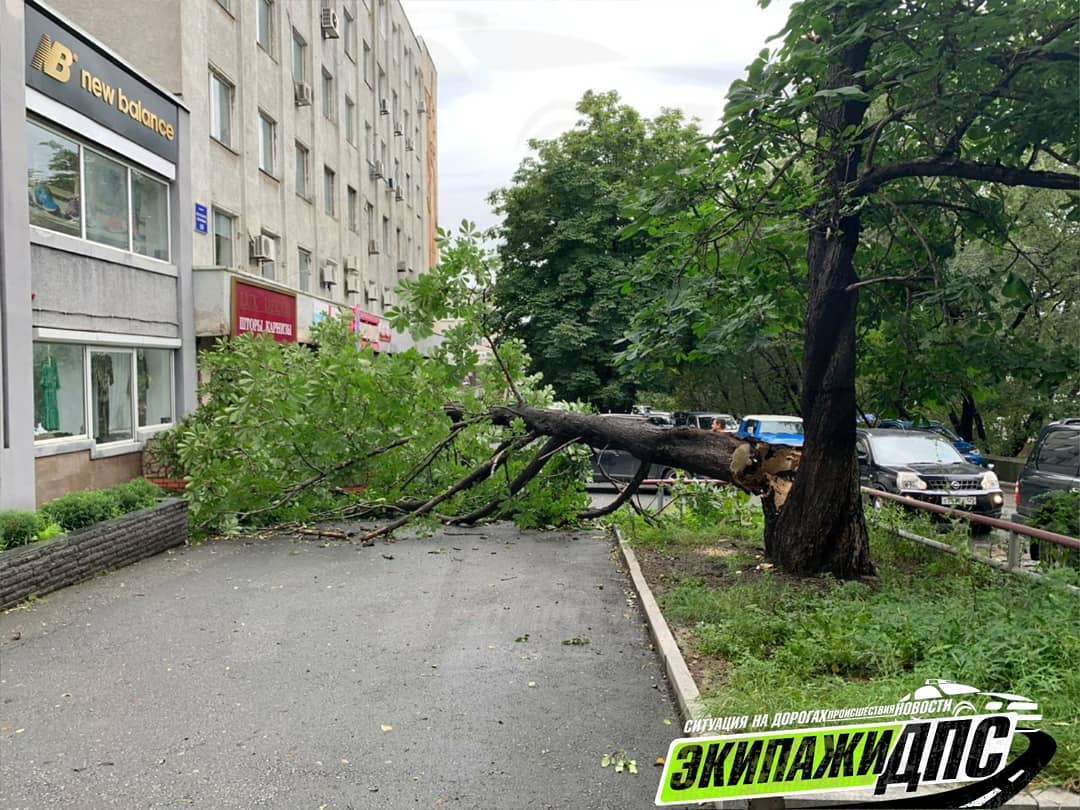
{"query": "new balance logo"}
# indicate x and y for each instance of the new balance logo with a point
(53, 59)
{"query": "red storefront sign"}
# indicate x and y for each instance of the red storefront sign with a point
(258, 309)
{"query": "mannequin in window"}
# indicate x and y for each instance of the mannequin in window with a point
(49, 382)
(101, 371)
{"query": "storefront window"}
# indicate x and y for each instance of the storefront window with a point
(110, 396)
(150, 216)
(59, 404)
(52, 178)
(154, 379)
(106, 200)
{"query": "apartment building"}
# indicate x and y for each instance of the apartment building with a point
(313, 158)
(96, 301)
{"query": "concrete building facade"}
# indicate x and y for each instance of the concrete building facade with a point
(313, 153)
(96, 294)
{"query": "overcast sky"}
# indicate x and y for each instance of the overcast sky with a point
(510, 70)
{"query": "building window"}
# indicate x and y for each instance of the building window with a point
(382, 18)
(221, 96)
(386, 233)
(349, 33)
(225, 4)
(350, 121)
(328, 190)
(369, 143)
(367, 63)
(224, 231)
(303, 264)
(106, 200)
(110, 395)
(264, 33)
(303, 171)
(149, 216)
(395, 106)
(93, 200)
(267, 143)
(59, 399)
(353, 208)
(369, 211)
(328, 107)
(52, 164)
(382, 89)
(408, 184)
(299, 57)
(153, 378)
(267, 267)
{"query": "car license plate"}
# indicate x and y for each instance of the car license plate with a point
(958, 500)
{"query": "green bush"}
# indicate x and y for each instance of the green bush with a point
(19, 528)
(135, 495)
(1057, 512)
(77, 510)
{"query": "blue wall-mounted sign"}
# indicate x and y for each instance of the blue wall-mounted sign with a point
(200, 218)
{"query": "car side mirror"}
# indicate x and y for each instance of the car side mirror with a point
(862, 456)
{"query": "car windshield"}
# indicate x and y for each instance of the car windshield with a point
(893, 451)
(781, 426)
(946, 432)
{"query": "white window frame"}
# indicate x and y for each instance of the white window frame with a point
(264, 120)
(215, 115)
(267, 46)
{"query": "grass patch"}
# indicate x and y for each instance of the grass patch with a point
(790, 645)
(763, 642)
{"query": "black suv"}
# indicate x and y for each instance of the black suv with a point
(1053, 466)
(926, 467)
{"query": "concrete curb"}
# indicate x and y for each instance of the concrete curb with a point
(682, 682)
(689, 699)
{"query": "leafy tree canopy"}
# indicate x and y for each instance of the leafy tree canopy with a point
(562, 263)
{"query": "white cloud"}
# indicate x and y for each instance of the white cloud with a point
(511, 70)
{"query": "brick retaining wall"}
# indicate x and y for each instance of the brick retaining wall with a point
(40, 568)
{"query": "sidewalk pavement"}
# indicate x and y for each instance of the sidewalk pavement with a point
(291, 673)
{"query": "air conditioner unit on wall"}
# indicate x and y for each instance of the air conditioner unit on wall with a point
(328, 19)
(376, 169)
(351, 289)
(409, 147)
(420, 108)
(262, 248)
(401, 267)
(398, 129)
(371, 290)
(302, 94)
(384, 107)
(328, 275)
(372, 247)
(400, 194)
(352, 264)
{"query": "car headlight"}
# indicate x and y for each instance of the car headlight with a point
(909, 480)
(990, 481)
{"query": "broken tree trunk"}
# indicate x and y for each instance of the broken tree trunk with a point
(756, 467)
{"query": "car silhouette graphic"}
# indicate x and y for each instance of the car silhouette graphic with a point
(976, 701)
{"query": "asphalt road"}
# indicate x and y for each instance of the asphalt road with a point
(287, 674)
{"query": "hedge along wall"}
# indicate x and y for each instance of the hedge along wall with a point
(39, 568)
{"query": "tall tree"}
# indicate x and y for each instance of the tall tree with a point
(563, 264)
(866, 111)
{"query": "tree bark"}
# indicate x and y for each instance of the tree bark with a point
(821, 527)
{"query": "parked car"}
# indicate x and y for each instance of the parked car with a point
(619, 465)
(703, 419)
(1053, 466)
(772, 429)
(924, 466)
(966, 448)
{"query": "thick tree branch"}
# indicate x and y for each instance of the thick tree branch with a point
(532, 469)
(871, 181)
(475, 477)
(623, 496)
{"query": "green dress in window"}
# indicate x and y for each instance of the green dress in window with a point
(49, 381)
